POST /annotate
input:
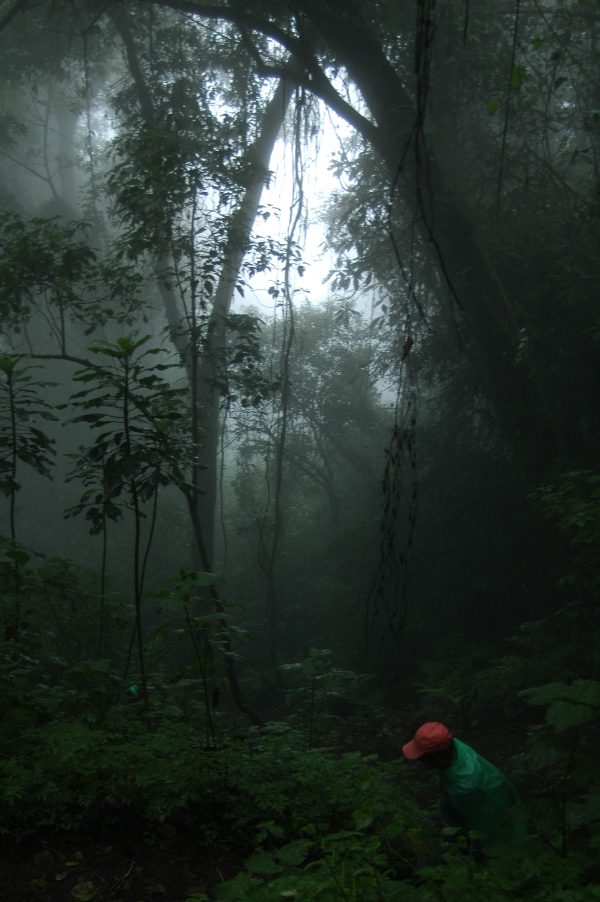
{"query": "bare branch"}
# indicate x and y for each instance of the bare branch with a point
(29, 169)
(67, 358)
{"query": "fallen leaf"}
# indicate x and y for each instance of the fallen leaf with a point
(61, 876)
(84, 891)
(157, 889)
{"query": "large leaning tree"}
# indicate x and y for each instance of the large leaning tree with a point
(371, 63)
(379, 66)
(476, 137)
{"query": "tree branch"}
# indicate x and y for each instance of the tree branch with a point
(233, 16)
(29, 169)
(121, 23)
(305, 71)
(68, 358)
(12, 12)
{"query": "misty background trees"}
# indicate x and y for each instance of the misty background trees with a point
(220, 476)
(458, 334)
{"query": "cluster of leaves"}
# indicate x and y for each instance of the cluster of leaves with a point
(351, 866)
(77, 753)
(243, 378)
(573, 502)
(137, 417)
(50, 264)
(79, 776)
(446, 688)
(54, 606)
(463, 682)
(20, 439)
(564, 749)
(152, 179)
(319, 690)
(320, 844)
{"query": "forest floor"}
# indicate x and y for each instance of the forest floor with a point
(168, 865)
(162, 866)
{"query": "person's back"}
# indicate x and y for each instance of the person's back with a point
(483, 798)
(476, 795)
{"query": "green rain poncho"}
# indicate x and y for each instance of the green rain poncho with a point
(481, 797)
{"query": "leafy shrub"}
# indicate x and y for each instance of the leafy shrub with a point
(69, 774)
(352, 865)
(564, 749)
(573, 502)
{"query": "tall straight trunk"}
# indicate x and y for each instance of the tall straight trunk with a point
(66, 126)
(213, 361)
(206, 375)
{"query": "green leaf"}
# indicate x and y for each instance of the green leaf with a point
(362, 820)
(294, 853)
(562, 715)
(581, 692)
(542, 695)
(567, 706)
(263, 863)
(585, 692)
(493, 105)
(517, 77)
(84, 891)
(19, 557)
(8, 363)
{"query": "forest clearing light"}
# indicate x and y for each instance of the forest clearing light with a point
(277, 199)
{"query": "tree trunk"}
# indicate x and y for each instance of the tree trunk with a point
(205, 374)
(213, 362)
(517, 396)
(66, 121)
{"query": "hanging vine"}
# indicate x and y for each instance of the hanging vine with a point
(388, 598)
(387, 601)
(269, 552)
(511, 84)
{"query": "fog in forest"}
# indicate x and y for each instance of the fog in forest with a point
(299, 435)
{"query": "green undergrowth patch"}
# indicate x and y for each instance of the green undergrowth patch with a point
(313, 824)
(353, 866)
(265, 791)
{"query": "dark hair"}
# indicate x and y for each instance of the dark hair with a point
(440, 759)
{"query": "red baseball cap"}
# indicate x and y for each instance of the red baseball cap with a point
(430, 737)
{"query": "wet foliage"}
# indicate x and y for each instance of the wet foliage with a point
(256, 527)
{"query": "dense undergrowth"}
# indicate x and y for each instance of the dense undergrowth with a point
(306, 801)
(314, 822)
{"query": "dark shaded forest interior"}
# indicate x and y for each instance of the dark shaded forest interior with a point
(299, 437)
